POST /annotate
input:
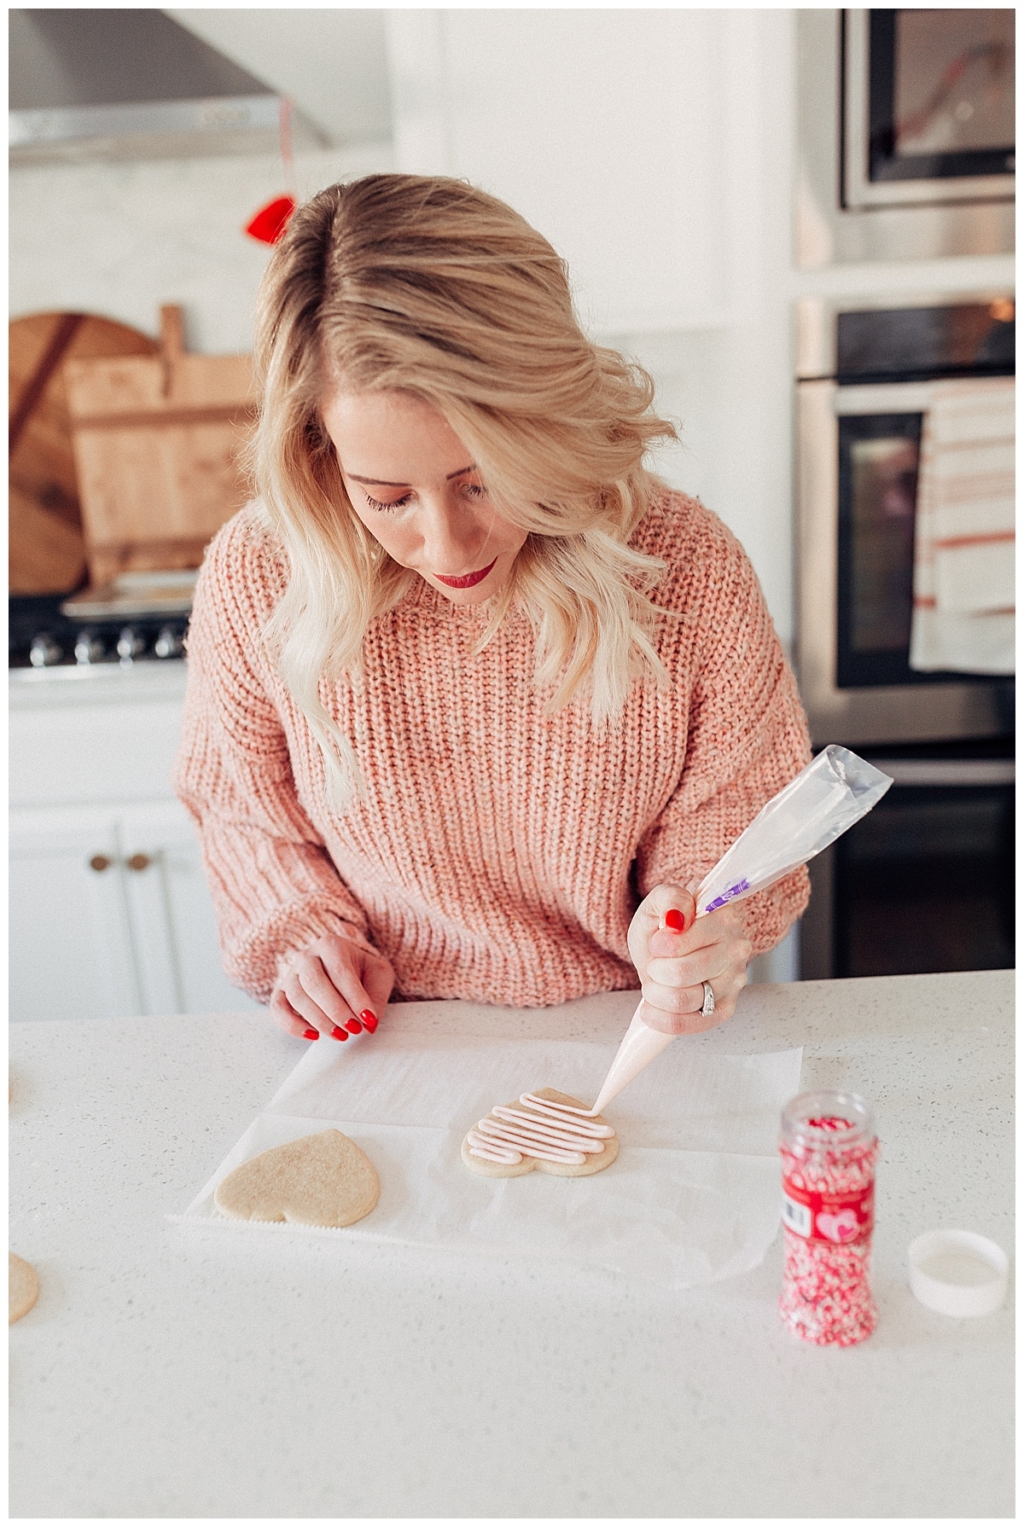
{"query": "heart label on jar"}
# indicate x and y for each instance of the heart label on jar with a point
(838, 1218)
(839, 1227)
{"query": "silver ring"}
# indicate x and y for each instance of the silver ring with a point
(709, 1000)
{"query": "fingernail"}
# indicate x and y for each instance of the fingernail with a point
(354, 1026)
(368, 1019)
(675, 920)
(311, 1034)
(337, 1033)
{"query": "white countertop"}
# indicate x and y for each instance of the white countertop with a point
(95, 684)
(172, 1372)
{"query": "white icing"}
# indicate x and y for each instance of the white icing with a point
(539, 1128)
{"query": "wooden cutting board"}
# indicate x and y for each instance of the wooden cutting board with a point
(47, 553)
(158, 444)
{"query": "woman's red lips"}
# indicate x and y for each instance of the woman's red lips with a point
(468, 580)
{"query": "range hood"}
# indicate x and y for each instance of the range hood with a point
(133, 84)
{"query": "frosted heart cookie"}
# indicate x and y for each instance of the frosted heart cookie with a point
(545, 1131)
(321, 1179)
(22, 1287)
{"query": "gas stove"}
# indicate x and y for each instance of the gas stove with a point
(42, 635)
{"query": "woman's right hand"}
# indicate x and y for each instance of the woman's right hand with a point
(334, 987)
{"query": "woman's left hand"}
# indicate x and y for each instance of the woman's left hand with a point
(673, 965)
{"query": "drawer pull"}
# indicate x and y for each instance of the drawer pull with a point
(99, 863)
(139, 862)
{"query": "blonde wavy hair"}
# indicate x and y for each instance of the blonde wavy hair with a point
(428, 285)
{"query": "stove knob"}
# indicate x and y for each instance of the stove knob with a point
(130, 643)
(44, 652)
(88, 648)
(168, 643)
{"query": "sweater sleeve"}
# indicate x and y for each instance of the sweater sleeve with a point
(273, 885)
(746, 738)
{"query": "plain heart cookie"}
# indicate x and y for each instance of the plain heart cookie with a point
(595, 1160)
(321, 1180)
(22, 1287)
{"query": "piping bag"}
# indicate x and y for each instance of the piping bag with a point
(812, 811)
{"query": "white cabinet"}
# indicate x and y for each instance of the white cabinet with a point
(173, 925)
(110, 916)
(615, 132)
(70, 945)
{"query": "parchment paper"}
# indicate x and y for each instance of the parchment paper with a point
(692, 1198)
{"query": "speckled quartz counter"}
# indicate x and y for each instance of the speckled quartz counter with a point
(169, 1372)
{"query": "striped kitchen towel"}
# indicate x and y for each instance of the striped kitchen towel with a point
(964, 598)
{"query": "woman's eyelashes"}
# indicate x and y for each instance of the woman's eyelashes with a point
(467, 489)
(397, 503)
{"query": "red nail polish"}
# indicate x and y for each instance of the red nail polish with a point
(311, 1034)
(675, 920)
(368, 1019)
(337, 1033)
(354, 1026)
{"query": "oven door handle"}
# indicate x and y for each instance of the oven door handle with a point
(896, 397)
(947, 771)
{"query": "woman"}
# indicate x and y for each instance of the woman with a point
(474, 700)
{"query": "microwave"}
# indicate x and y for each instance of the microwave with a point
(905, 133)
(928, 107)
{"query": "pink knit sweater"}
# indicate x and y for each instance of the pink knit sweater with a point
(499, 854)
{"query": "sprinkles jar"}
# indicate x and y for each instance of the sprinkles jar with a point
(829, 1149)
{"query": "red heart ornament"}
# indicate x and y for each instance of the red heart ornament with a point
(270, 221)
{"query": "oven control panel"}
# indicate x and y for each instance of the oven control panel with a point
(40, 636)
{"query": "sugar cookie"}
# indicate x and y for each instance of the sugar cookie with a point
(322, 1179)
(545, 1131)
(22, 1287)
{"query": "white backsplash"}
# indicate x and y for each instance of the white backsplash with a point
(121, 238)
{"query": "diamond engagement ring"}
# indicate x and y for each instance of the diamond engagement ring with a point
(709, 1000)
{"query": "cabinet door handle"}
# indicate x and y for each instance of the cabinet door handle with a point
(139, 862)
(99, 863)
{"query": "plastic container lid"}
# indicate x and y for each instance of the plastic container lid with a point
(957, 1272)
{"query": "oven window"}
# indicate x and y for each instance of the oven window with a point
(925, 882)
(883, 490)
(942, 94)
(878, 455)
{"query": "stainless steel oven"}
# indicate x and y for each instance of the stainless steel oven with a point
(925, 882)
(865, 374)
